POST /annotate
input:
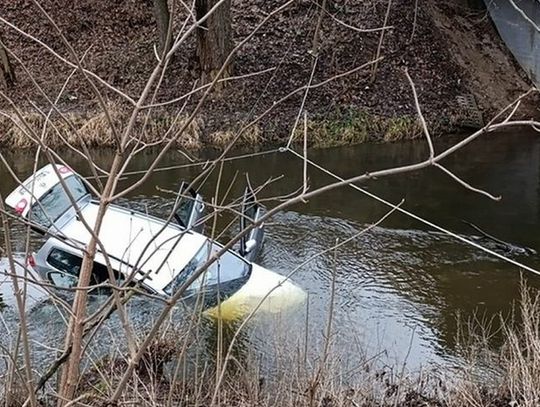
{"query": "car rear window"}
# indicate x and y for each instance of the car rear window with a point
(55, 202)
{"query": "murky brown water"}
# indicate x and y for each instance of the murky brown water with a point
(400, 285)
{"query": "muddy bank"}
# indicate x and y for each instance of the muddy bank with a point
(451, 52)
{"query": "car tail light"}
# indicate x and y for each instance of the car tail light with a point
(21, 206)
(31, 261)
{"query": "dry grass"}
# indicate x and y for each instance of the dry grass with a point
(250, 138)
(93, 128)
(181, 365)
(402, 128)
(13, 395)
(510, 375)
(520, 356)
(495, 375)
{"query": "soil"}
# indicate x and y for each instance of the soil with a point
(489, 70)
(448, 50)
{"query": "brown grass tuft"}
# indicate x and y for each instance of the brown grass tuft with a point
(93, 128)
(249, 138)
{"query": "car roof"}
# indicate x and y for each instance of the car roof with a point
(125, 234)
(35, 186)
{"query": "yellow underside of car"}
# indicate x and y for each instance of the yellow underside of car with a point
(264, 292)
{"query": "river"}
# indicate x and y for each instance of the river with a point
(400, 285)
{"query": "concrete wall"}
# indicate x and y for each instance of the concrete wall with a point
(521, 37)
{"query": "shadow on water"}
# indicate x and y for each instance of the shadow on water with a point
(400, 285)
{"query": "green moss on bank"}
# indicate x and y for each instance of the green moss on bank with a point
(356, 127)
(359, 127)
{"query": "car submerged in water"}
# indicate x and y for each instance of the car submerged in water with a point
(156, 255)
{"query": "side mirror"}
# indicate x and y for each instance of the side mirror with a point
(250, 245)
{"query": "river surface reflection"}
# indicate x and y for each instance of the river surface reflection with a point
(400, 285)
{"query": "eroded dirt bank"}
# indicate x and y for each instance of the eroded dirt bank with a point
(450, 51)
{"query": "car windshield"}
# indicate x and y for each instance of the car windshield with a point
(227, 268)
(55, 202)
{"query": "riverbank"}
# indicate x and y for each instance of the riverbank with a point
(174, 371)
(349, 128)
(461, 69)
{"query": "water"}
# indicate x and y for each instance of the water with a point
(400, 285)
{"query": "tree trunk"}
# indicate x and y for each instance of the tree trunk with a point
(7, 74)
(74, 336)
(214, 39)
(163, 18)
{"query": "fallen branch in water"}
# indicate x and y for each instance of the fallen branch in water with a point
(510, 247)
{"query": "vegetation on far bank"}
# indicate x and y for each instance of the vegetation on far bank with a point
(372, 103)
(340, 128)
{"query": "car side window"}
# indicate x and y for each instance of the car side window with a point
(70, 264)
(61, 279)
(64, 261)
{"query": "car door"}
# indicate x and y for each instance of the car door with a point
(251, 243)
(189, 208)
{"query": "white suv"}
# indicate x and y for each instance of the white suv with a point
(155, 254)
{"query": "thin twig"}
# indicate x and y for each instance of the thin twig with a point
(301, 110)
(305, 156)
(21, 309)
(465, 184)
(381, 40)
(413, 30)
(421, 116)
